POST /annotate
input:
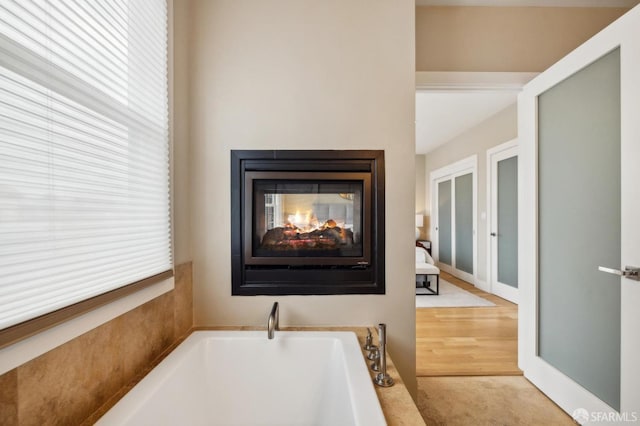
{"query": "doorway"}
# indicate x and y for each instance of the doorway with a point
(502, 206)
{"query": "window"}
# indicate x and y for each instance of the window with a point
(84, 153)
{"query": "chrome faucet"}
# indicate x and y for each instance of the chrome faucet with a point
(382, 378)
(273, 321)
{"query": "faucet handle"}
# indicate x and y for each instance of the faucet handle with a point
(368, 345)
(373, 353)
(375, 365)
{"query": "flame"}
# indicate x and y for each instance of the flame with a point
(307, 222)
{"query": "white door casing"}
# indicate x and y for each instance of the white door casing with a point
(625, 35)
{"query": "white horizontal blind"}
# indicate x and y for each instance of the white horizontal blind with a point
(84, 155)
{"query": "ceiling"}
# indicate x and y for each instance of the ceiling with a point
(443, 115)
(541, 3)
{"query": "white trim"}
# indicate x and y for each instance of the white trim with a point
(506, 292)
(451, 171)
(500, 152)
(482, 285)
(34, 346)
(456, 168)
(465, 276)
(527, 229)
(472, 81)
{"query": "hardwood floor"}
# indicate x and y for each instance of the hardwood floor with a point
(480, 341)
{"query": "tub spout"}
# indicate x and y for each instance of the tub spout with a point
(273, 321)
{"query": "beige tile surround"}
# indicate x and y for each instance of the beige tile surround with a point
(67, 384)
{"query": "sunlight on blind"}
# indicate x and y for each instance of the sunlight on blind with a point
(84, 151)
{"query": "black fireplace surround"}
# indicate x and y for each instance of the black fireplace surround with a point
(307, 222)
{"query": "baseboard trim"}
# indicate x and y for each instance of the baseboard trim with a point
(482, 285)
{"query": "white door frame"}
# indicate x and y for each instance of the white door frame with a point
(497, 153)
(562, 390)
(451, 171)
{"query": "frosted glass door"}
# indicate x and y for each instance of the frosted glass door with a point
(507, 221)
(454, 199)
(579, 227)
(579, 209)
(464, 223)
(503, 220)
(444, 222)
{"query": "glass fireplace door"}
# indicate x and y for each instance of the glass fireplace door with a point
(301, 219)
(307, 219)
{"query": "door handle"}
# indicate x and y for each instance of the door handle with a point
(630, 272)
(493, 234)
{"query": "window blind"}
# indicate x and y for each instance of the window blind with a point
(84, 151)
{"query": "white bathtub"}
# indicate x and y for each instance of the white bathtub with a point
(242, 378)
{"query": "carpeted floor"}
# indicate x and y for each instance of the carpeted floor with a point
(490, 401)
(450, 296)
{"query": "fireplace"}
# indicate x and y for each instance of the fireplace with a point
(307, 222)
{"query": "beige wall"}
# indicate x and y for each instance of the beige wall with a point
(293, 74)
(421, 203)
(498, 129)
(514, 39)
(180, 133)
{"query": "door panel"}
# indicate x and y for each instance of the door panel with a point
(579, 227)
(464, 223)
(444, 222)
(507, 221)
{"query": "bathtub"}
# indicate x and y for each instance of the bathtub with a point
(242, 378)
